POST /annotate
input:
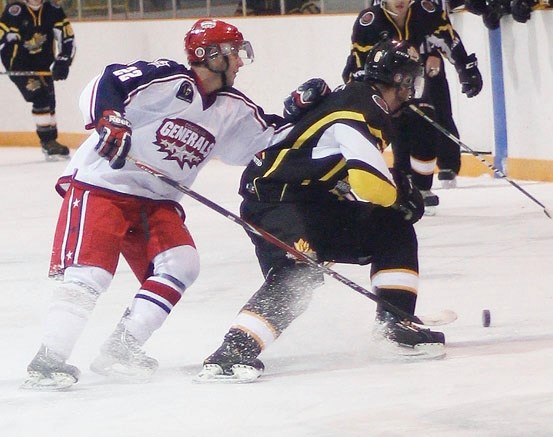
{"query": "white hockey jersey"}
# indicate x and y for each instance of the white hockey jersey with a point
(176, 128)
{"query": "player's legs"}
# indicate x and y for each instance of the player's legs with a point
(284, 295)
(40, 92)
(447, 151)
(394, 278)
(84, 260)
(161, 253)
(419, 138)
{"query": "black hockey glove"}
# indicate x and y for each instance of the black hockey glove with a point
(60, 67)
(469, 76)
(115, 138)
(409, 203)
(495, 10)
(521, 10)
(308, 95)
(476, 7)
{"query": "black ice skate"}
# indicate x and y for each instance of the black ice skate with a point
(234, 362)
(409, 340)
(431, 201)
(53, 150)
(121, 357)
(448, 178)
(48, 371)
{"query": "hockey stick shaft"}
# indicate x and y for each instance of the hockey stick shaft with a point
(26, 73)
(300, 256)
(497, 171)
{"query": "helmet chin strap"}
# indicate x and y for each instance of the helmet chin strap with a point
(404, 104)
(222, 73)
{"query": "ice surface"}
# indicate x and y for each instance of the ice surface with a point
(489, 247)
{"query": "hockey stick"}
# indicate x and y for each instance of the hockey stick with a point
(447, 317)
(480, 158)
(26, 73)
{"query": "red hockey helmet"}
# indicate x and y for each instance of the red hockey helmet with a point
(209, 38)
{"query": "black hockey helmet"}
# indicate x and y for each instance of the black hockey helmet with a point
(395, 63)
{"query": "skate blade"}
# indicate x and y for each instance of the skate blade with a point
(55, 158)
(389, 351)
(443, 317)
(119, 372)
(430, 211)
(448, 184)
(426, 351)
(57, 382)
(213, 374)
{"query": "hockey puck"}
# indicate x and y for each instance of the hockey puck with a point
(486, 318)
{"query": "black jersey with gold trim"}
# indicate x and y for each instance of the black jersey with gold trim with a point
(427, 27)
(42, 34)
(334, 151)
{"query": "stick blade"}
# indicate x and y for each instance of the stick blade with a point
(443, 317)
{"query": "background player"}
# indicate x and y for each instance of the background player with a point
(425, 25)
(35, 35)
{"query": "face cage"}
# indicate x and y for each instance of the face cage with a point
(414, 81)
(242, 49)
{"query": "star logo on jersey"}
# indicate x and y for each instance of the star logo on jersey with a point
(34, 45)
(33, 84)
(184, 142)
(304, 247)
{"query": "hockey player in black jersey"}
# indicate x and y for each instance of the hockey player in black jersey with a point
(326, 190)
(35, 35)
(426, 25)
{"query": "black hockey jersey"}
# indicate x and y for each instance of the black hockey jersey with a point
(31, 38)
(427, 27)
(334, 150)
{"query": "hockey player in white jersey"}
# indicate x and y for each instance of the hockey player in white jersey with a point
(173, 118)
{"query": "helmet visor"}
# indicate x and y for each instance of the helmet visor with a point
(242, 49)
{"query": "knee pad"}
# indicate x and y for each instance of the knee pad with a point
(180, 265)
(94, 279)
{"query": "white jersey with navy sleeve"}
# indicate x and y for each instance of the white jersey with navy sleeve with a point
(176, 128)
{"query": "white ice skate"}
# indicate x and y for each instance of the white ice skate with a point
(122, 358)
